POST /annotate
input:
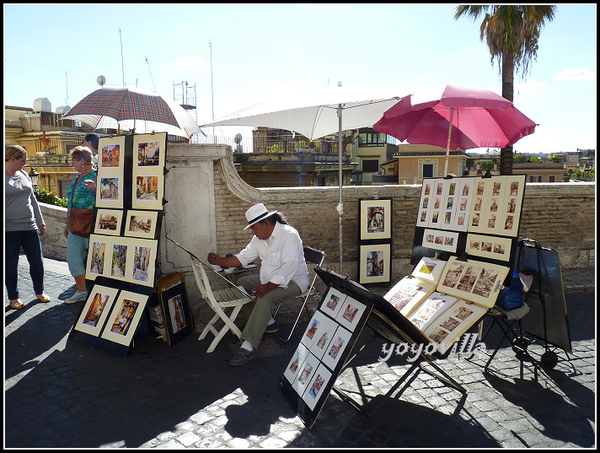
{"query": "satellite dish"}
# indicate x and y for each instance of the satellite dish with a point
(101, 80)
(237, 139)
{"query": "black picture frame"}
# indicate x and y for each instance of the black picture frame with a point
(172, 295)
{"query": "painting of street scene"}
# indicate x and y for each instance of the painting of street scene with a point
(146, 188)
(109, 188)
(141, 263)
(111, 155)
(119, 260)
(122, 322)
(97, 258)
(176, 313)
(148, 154)
(96, 308)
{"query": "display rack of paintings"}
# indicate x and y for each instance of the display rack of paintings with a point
(323, 350)
(449, 209)
(124, 242)
(497, 204)
(111, 316)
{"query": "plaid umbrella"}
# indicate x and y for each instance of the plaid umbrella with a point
(133, 108)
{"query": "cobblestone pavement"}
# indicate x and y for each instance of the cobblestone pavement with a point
(61, 393)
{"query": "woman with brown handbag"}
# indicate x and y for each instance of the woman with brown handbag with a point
(81, 195)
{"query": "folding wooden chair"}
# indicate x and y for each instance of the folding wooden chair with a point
(313, 256)
(219, 300)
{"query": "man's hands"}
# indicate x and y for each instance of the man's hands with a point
(261, 290)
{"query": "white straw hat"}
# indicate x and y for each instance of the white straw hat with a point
(257, 213)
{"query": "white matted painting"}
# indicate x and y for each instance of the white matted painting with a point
(124, 318)
(96, 310)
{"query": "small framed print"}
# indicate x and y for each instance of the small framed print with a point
(375, 218)
(316, 387)
(323, 337)
(375, 264)
(291, 372)
(336, 347)
(99, 256)
(446, 241)
(305, 373)
(108, 221)
(172, 295)
(350, 314)
(496, 248)
(332, 303)
(429, 269)
(96, 310)
(314, 329)
(141, 224)
(124, 318)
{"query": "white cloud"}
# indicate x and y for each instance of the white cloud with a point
(576, 74)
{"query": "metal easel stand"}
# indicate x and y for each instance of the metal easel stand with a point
(370, 407)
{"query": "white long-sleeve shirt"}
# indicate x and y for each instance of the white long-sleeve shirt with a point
(282, 257)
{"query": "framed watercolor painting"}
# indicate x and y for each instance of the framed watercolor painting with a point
(110, 192)
(124, 317)
(99, 256)
(375, 218)
(173, 298)
(143, 261)
(96, 310)
(147, 192)
(375, 264)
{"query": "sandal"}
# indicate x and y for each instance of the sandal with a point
(43, 298)
(16, 304)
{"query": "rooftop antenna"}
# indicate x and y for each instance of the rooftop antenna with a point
(212, 93)
(67, 88)
(152, 78)
(122, 67)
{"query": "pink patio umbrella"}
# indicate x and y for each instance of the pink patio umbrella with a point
(454, 118)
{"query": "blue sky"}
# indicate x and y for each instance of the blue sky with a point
(58, 51)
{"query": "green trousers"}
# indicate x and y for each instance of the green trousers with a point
(264, 307)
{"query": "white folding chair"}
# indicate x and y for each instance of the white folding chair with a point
(219, 300)
(313, 256)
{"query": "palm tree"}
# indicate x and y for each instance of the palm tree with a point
(511, 33)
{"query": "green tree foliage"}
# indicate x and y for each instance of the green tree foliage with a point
(511, 33)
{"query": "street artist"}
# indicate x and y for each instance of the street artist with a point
(283, 274)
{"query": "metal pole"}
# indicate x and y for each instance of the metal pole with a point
(340, 207)
(212, 93)
(448, 144)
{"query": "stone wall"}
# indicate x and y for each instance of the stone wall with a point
(207, 200)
